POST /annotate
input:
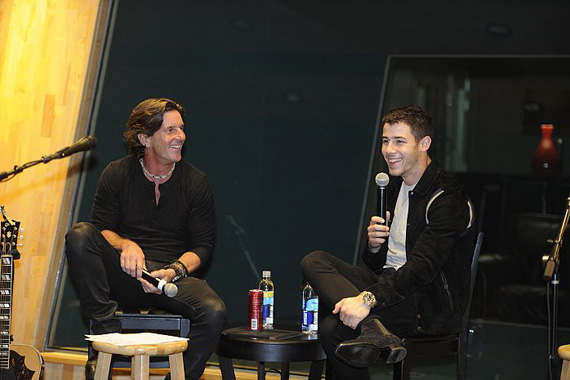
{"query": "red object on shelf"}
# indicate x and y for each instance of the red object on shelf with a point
(546, 162)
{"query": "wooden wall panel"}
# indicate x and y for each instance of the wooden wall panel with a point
(47, 71)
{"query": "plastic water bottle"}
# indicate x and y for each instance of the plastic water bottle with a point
(268, 299)
(310, 323)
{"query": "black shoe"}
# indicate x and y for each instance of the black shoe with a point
(91, 366)
(374, 340)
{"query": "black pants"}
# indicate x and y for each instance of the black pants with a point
(94, 267)
(333, 279)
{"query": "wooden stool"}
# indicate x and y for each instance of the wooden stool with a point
(155, 320)
(140, 358)
(564, 353)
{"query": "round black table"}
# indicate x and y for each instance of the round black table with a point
(278, 345)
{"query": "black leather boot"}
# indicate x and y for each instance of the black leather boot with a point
(100, 327)
(374, 340)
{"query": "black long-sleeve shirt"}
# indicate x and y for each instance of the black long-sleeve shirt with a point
(183, 220)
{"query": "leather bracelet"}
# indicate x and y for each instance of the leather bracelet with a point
(179, 270)
(184, 269)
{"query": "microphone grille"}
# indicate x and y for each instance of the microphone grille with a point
(382, 179)
(170, 289)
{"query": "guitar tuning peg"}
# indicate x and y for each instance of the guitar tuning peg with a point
(20, 245)
(21, 237)
(22, 229)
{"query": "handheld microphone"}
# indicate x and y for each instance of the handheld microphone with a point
(83, 144)
(167, 288)
(382, 180)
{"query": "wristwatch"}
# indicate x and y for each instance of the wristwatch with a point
(369, 298)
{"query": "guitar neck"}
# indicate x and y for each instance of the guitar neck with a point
(8, 244)
(13, 365)
(6, 276)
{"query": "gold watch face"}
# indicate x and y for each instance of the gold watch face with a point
(369, 299)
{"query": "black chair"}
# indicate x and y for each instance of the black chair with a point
(153, 320)
(510, 281)
(442, 345)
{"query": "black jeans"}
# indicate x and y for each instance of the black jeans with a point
(333, 279)
(94, 267)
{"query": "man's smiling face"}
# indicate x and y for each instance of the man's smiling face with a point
(165, 145)
(403, 153)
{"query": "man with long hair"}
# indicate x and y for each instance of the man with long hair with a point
(152, 211)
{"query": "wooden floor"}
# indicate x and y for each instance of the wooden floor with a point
(70, 366)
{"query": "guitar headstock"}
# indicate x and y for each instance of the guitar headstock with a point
(9, 235)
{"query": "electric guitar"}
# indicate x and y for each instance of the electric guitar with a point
(17, 361)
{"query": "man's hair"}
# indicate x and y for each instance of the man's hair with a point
(147, 118)
(420, 121)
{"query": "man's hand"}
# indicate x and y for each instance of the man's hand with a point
(351, 310)
(161, 274)
(132, 258)
(377, 232)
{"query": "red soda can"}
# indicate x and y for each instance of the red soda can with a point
(255, 310)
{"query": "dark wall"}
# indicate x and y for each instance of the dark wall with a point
(281, 115)
(442, 27)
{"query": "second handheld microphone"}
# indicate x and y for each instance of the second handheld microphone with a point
(382, 181)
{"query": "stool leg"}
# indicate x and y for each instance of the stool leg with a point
(284, 371)
(316, 371)
(176, 366)
(565, 375)
(140, 367)
(329, 372)
(402, 370)
(227, 368)
(103, 366)
(260, 370)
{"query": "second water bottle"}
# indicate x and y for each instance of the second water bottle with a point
(268, 299)
(310, 323)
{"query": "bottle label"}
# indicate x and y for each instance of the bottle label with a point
(268, 302)
(312, 304)
(307, 318)
(311, 315)
(253, 324)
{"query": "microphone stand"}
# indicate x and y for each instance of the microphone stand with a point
(6, 176)
(551, 274)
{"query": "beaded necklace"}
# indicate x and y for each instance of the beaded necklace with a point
(162, 176)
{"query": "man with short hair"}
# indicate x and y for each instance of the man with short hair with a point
(418, 260)
(155, 212)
